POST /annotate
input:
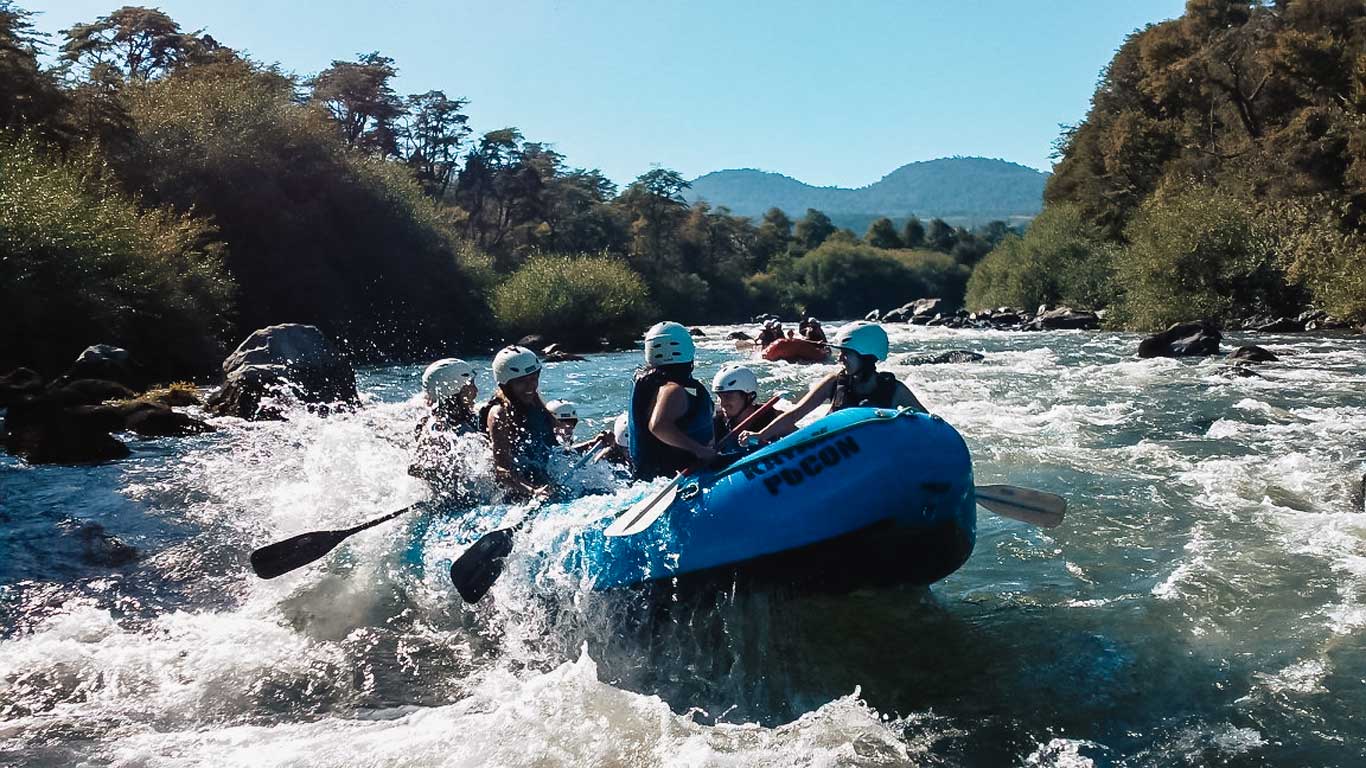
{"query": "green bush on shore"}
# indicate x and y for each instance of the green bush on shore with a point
(1060, 260)
(81, 263)
(845, 279)
(1198, 253)
(577, 300)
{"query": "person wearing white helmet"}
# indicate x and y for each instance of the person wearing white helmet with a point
(771, 332)
(518, 424)
(861, 345)
(670, 419)
(737, 389)
(449, 391)
(566, 419)
(812, 331)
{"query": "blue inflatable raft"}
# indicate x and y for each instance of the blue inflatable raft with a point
(862, 497)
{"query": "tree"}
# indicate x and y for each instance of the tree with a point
(359, 98)
(772, 238)
(914, 233)
(940, 236)
(434, 127)
(29, 96)
(139, 43)
(813, 229)
(882, 234)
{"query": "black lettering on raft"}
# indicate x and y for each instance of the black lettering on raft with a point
(825, 456)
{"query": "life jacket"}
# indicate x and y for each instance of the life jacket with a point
(451, 418)
(534, 438)
(721, 427)
(882, 396)
(651, 456)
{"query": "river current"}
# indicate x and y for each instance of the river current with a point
(1204, 603)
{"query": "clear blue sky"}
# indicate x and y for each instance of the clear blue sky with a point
(836, 94)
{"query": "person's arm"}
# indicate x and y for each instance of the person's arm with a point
(504, 451)
(786, 424)
(905, 398)
(670, 406)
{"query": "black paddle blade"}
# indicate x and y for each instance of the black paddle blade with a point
(284, 556)
(474, 572)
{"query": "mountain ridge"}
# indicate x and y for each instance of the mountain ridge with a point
(971, 188)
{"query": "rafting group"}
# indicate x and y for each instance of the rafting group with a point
(875, 492)
(673, 421)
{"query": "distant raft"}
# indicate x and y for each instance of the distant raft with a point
(863, 497)
(797, 351)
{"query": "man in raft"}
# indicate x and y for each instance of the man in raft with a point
(670, 419)
(812, 331)
(737, 390)
(861, 345)
(448, 387)
(519, 426)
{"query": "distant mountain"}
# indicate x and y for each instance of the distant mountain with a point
(960, 189)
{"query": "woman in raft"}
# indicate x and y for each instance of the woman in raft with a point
(520, 428)
(862, 345)
(449, 390)
(737, 391)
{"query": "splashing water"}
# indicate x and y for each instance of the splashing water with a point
(1202, 605)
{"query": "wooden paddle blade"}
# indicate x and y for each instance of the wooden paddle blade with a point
(1024, 504)
(644, 513)
(478, 567)
(284, 556)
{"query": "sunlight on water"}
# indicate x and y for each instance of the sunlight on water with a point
(1202, 605)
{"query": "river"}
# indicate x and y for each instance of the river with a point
(1203, 604)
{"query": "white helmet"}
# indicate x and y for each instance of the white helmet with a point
(667, 343)
(562, 410)
(735, 378)
(621, 431)
(864, 338)
(513, 363)
(446, 377)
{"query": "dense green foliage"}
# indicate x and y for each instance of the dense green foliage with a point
(842, 279)
(319, 233)
(1198, 253)
(1261, 107)
(81, 263)
(581, 299)
(1061, 259)
(335, 200)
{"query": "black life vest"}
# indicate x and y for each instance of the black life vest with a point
(882, 396)
(721, 427)
(650, 456)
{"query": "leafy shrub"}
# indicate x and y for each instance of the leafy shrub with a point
(1060, 260)
(80, 264)
(318, 233)
(1197, 253)
(574, 299)
(842, 279)
(1323, 258)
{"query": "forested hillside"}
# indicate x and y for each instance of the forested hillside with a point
(1220, 172)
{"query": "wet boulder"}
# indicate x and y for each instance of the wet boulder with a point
(149, 419)
(1277, 325)
(292, 360)
(1251, 353)
(86, 392)
(923, 310)
(1063, 319)
(951, 356)
(899, 315)
(19, 383)
(101, 548)
(696, 332)
(739, 336)
(558, 353)
(1182, 340)
(533, 341)
(106, 363)
(43, 430)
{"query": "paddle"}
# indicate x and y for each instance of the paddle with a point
(645, 512)
(297, 551)
(474, 572)
(1024, 504)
